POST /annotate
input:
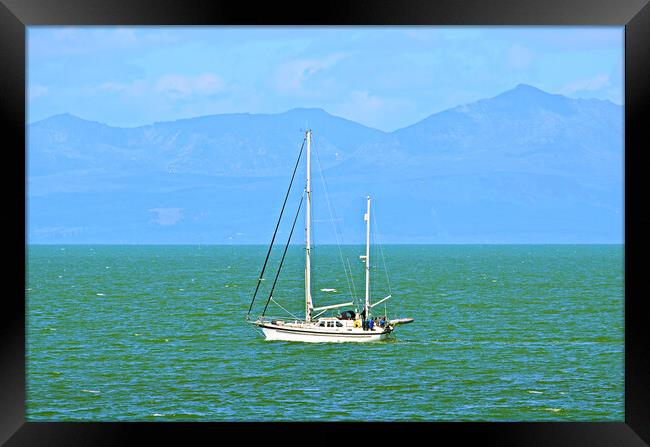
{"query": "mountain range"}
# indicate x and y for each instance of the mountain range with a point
(525, 166)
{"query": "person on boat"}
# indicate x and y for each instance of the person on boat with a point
(357, 323)
(382, 321)
(371, 324)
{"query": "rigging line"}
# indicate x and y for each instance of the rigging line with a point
(329, 208)
(259, 280)
(293, 226)
(354, 297)
(280, 306)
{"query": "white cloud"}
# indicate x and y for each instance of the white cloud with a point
(171, 85)
(362, 100)
(598, 82)
(178, 86)
(109, 41)
(291, 76)
(36, 91)
(166, 216)
(133, 88)
(369, 109)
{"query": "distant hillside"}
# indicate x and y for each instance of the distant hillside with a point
(522, 130)
(524, 166)
(239, 144)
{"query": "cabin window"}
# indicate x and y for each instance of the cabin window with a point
(330, 324)
(322, 324)
(339, 324)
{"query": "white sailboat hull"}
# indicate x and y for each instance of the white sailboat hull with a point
(314, 335)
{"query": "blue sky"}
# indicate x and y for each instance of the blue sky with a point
(383, 77)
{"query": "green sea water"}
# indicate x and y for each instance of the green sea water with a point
(157, 333)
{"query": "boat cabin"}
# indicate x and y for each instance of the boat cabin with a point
(332, 322)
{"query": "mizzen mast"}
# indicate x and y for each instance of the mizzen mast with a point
(366, 217)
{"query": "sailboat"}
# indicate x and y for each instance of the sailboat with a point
(348, 326)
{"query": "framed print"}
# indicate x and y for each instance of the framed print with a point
(274, 221)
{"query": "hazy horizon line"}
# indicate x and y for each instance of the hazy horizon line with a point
(322, 245)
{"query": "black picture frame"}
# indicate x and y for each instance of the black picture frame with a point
(16, 15)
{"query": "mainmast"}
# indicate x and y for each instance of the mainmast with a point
(367, 259)
(308, 303)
